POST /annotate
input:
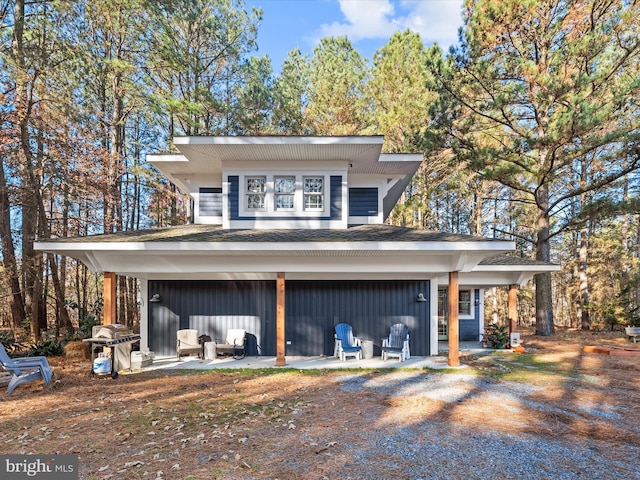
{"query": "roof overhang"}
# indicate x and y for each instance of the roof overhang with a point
(201, 260)
(484, 276)
(207, 155)
(202, 252)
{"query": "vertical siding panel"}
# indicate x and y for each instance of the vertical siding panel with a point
(371, 307)
(312, 309)
(212, 307)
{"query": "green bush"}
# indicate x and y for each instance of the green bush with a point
(50, 347)
(7, 340)
(496, 336)
(87, 323)
(10, 344)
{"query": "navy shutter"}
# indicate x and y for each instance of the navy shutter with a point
(363, 202)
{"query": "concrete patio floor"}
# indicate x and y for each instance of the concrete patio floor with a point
(317, 362)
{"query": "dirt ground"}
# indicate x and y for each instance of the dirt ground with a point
(291, 424)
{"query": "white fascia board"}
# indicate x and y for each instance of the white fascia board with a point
(279, 140)
(257, 248)
(165, 158)
(401, 157)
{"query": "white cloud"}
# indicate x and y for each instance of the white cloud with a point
(435, 20)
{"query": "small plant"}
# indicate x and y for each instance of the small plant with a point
(49, 347)
(7, 340)
(496, 336)
(87, 323)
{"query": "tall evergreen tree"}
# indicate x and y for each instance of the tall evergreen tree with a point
(535, 87)
(195, 56)
(400, 91)
(338, 74)
(291, 95)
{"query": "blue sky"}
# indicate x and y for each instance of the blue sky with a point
(369, 24)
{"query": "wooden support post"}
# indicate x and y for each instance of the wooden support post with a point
(280, 335)
(513, 308)
(109, 295)
(454, 324)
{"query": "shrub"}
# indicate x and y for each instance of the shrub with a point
(50, 347)
(496, 336)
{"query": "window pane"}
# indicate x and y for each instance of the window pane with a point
(284, 202)
(256, 184)
(313, 202)
(313, 185)
(285, 184)
(255, 201)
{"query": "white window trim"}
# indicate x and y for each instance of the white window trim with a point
(295, 194)
(246, 193)
(270, 208)
(323, 194)
(471, 303)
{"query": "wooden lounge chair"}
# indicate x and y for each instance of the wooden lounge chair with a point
(346, 344)
(25, 369)
(397, 343)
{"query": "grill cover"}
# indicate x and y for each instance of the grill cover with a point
(114, 331)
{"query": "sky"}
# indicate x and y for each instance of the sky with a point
(369, 24)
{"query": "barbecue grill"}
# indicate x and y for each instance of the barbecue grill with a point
(119, 339)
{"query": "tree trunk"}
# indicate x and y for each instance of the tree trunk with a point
(585, 319)
(12, 277)
(544, 299)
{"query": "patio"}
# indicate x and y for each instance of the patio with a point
(317, 362)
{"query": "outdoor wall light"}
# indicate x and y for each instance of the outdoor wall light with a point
(155, 298)
(421, 298)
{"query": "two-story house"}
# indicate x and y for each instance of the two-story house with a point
(288, 239)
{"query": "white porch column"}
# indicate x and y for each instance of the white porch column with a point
(144, 315)
(481, 316)
(433, 315)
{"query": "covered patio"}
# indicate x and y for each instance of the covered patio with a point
(320, 362)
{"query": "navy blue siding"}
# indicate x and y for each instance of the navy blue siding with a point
(469, 328)
(212, 307)
(363, 202)
(335, 201)
(312, 310)
(210, 202)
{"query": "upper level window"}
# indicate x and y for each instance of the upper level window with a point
(313, 193)
(285, 190)
(256, 192)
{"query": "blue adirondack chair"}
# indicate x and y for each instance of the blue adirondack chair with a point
(346, 344)
(25, 369)
(397, 343)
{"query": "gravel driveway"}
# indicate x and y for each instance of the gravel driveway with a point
(448, 450)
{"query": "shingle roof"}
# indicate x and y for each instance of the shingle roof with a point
(211, 233)
(504, 260)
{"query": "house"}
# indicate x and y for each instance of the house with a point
(287, 240)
